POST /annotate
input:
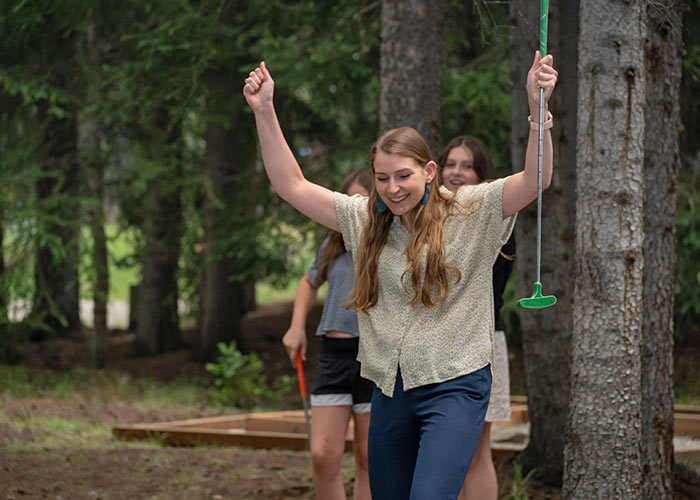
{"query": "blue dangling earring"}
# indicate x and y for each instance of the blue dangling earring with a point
(424, 199)
(381, 206)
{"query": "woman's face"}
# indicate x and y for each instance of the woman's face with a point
(459, 169)
(400, 181)
(357, 188)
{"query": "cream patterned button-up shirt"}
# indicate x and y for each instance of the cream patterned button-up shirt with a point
(453, 338)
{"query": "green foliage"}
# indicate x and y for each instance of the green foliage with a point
(476, 95)
(325, 57)
(240, 381)
(155, 58)
(687, 283)
(686, 389)
(518, 488)
(477, 102)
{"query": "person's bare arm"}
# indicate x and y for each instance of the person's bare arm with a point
(314, 201)
(295, 338)
(520, 189)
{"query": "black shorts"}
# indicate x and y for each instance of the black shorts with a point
(337, 381)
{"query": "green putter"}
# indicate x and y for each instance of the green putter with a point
(537, 301)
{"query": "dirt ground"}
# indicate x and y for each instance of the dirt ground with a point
(108, 469)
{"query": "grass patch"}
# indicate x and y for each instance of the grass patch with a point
(518, 487)
(53, 432)
(21, 382)
(24, 382)
(266, 293)
(50, 434)
(46, 432)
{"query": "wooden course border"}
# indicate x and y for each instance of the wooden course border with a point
(287, 430)
(283, 429)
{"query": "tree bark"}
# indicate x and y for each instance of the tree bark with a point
(230, 166)
(158, 327)
(602, 458)
(56, 305)
(4, 296)
(661, 166)
(4, 319)
(547, 333)
(411, 67)
(90, 145)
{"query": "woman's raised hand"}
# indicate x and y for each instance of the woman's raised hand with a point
(259, 87)
(540, 76)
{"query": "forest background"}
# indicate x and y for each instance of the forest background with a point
(129, 165)
(124, 139)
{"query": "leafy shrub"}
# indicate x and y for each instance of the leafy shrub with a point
(239, 379)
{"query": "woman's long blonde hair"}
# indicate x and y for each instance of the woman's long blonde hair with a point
(427, 236)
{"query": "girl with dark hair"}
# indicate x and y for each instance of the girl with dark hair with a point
(339, 392)
(423, 259)
(466, 162)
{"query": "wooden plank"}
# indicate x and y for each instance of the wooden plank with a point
(686, 409)
(225, 421)
(687, 455)
(518, 415)
(516, 399)
(686, 424)
(297, 426)
(287, 429)
(236, 437)
(229, 421)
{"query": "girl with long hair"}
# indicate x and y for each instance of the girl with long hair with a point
(465, 162)
(339, 392)
(423, 259)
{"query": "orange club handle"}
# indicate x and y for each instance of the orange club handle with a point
(300, 374)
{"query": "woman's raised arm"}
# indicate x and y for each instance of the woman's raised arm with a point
(520, 189)
(314, 201)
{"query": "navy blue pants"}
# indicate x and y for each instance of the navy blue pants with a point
(422, 441)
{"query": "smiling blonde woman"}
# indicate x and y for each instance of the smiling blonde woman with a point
(423, 259)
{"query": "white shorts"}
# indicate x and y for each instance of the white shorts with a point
(499, 403)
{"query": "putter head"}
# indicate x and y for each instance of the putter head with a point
(537, 301)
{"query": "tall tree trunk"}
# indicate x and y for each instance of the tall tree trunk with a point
(158, 327)
(90, 153)
(229, 161)
(4, 319)
(56, 303)
(602, 454)
(411, 67)
(661, 166)
(4, 295)
(547, 333)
